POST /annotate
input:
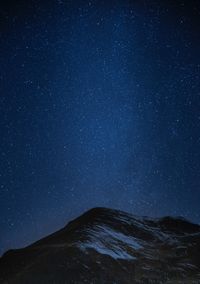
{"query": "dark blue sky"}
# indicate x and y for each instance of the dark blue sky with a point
(99, 106)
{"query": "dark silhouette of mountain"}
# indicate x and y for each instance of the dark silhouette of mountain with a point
(109, 246)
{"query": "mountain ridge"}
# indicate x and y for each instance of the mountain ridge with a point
(106, 245)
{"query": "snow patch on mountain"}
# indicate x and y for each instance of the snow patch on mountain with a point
(109, 242)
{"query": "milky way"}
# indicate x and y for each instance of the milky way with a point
(99, 106)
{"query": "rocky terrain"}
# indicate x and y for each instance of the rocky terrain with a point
(109, 246)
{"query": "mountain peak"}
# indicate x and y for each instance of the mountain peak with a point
(109, 246)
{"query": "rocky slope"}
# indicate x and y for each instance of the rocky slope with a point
(109, 246)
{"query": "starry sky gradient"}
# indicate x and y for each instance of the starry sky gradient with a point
(99, 106)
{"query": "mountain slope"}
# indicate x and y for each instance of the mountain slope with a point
(109, 246)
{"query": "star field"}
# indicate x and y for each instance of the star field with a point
(99, 106)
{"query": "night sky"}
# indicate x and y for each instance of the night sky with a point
(99, 106)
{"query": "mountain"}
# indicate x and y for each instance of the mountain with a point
(105, 246)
